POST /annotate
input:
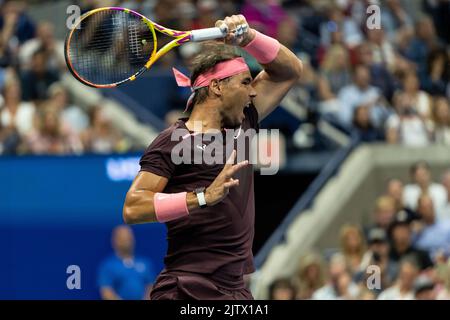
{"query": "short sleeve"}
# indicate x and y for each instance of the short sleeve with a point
(157, 158)
(105, 276)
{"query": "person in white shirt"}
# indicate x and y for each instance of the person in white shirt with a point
(403, 288)
(421, 176)
(340, 286)
(14, 112)
(431, 234)
(361, 93)
(406, 126)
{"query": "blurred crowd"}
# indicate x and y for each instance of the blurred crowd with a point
(403, 254)
(386, 82)
(37, 113)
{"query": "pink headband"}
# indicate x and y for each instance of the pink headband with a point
(220, 71)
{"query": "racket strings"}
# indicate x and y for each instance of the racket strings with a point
(110, 46)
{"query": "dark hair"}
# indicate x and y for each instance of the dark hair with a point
(282, 283)
(211, 53)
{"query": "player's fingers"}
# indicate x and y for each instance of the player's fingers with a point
(237, 167)
(230, 160)
(231, 183)
(222, 25)
(231, 24)
(242, 19)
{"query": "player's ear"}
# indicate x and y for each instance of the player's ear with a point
(215, 87)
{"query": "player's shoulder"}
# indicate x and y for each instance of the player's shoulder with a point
(171, 134)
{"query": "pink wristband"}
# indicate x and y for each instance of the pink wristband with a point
(170, 206)
(263, 48)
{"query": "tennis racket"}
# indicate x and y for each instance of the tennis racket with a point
(110, 46)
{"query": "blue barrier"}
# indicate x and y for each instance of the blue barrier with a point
(59, 211)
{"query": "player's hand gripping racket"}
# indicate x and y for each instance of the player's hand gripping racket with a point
(110, 46)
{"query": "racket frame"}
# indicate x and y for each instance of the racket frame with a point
(181, 37)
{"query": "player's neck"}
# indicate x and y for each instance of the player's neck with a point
(205, 116)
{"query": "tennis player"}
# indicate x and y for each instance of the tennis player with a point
(209, 208)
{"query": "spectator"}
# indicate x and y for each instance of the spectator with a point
(339, 284)
(406, 126)
(394, 189)
(352, 246)
(441, 121)
(366, 294)
(378, 255)
(37, 80)
(101, 136)
(424, 288)
(6, 52)
(49, 137)
(310, 275)
(13, 15)
(401, 242)
(360, 92)
(10, 140)
(379, 74)
(394, 17)
(339, 22)
(422, 183)
(124, 276)
(45, 39)
(208, 12)
(335, 69)
(424, 42)
(419, 100)
(14, 113)
(437, 78)
(385, 209)
(73, 118)
(383, 52)
(282, 289)
(403, 288)
(433, 234)
(363, 126)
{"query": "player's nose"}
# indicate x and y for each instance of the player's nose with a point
(252, 92)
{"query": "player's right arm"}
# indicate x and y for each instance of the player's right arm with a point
(139, 202)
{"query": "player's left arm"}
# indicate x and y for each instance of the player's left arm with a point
(274, 82)
(278, 76)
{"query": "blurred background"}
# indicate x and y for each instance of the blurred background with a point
(364, 150)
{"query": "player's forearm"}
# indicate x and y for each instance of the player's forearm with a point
(285, 65)
(139, 206)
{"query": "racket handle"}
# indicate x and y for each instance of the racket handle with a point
(208, 34)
